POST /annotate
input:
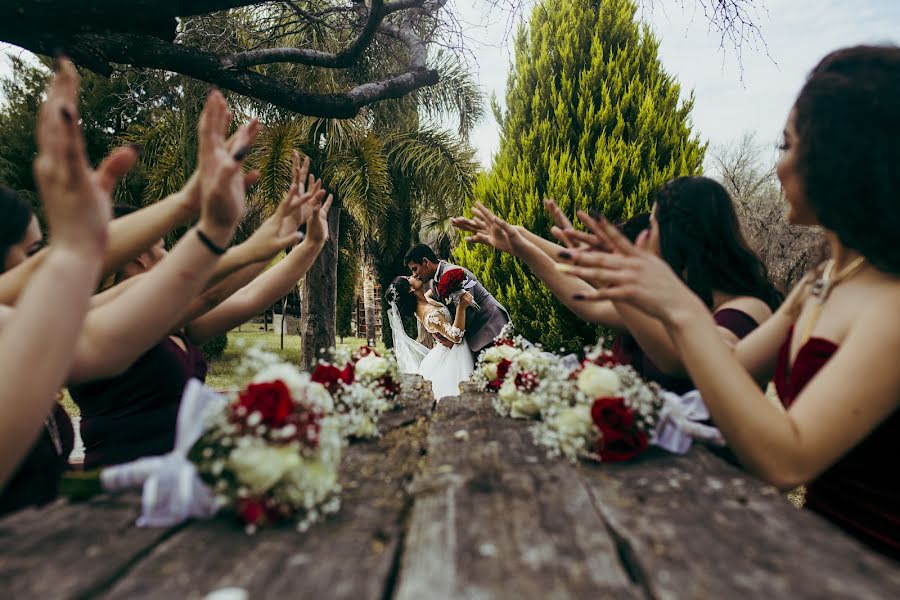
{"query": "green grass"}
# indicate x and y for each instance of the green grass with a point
(221, 375)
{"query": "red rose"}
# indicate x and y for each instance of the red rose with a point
(450, 282)
(503, 368)
(331, 377)
(391, 388)
(271, 399)
(363, 351)
(252, 512)
(504, 342)
(495, 385)
(617, 447)
(308, 425)
(611, 413)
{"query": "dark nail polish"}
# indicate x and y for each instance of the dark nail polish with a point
(578, 296)
(565, 254)
(242, 153)
(138, 149)
(66, 115)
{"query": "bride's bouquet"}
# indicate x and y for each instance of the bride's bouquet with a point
(364, 385)
(268, 454)
(453, 284)
(607, 412)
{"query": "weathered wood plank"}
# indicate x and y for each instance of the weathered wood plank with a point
(350, 555)
(71, 550)
(697, 527)
(493, 519)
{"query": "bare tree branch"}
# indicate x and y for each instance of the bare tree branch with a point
(98, 41)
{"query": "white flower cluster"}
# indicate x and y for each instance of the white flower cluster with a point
(536, 379)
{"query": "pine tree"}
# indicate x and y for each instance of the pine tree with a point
(593, 120)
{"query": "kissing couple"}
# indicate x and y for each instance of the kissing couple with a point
(462, 316)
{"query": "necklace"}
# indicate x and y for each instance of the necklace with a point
(822, 287)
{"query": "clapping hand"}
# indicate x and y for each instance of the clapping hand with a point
(77, 200)
(221, 178)
(629, 273)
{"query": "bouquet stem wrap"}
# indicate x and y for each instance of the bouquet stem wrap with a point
(678, 423)
(172, 489)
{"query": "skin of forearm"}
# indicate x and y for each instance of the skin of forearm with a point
(653, 338)
(32, 369)
(565, 287)
(12, 282)
(132, 234)
(459, 320)
(763, 437)
(117, 333)
(258, 294)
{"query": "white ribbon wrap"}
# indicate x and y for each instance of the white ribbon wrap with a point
(677, 425)
(173, 491)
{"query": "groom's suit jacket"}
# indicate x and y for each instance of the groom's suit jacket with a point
(482, 326)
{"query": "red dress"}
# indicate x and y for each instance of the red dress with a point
(861, 492)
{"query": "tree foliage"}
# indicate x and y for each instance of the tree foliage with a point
(593, 120)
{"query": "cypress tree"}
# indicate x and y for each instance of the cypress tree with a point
(593, 120)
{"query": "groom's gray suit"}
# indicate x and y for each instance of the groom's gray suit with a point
(483, 325)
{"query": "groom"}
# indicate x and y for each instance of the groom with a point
(482, 325)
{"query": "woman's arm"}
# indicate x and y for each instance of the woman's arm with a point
(850, 396)
(36, 346)
(491, 230)
(268, 287)
(118, 332)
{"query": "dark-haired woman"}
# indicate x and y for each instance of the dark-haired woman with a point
(695, 229)
(832, 348)
(445, 367)
(35, 480)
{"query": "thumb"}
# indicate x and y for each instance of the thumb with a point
(115, 165)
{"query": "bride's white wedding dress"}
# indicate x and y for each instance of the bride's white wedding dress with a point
(445, 367)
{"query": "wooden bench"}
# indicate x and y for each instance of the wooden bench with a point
(431, 512)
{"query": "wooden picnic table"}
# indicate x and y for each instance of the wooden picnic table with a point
(430, 512)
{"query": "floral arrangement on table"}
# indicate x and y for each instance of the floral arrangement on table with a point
(364, 385)
(269, 454)
(494, 363)
(607, 413)
(453, 284)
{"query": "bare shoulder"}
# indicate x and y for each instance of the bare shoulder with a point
(881, 318)
(754, 307)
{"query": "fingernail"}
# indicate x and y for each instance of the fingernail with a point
(242, 153)
(563, 268)
(138, 149)
(565, 254)
(66, 115)
(578, 296)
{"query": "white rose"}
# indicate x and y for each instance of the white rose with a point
(259, 467)
(597, 382)
(490, 371)
(318, 396)
(525, 407)
(372, 366)
(508, 392)
(575, 421)
(498, 353)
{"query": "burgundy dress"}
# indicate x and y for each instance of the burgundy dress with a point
(133, 415)
(626, 350)
(36, 480)
(861, 492)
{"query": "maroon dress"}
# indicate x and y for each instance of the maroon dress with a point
(861, 492)
(36, 480)
(134, 415)
(626, 350)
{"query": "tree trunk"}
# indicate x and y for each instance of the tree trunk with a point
(320, 297)
(369, 301)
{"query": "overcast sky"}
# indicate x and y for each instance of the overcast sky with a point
(797, 32)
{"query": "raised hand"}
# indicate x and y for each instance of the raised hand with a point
(220, 176)
(629, 273)
(317, 225)
(77, 200)
(485, 227)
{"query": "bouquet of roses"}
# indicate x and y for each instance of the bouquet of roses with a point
(533, 380)
(453, 284)
(494, 363)
(270, 453)
(364, 385)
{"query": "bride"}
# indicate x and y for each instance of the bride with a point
(446, 367)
